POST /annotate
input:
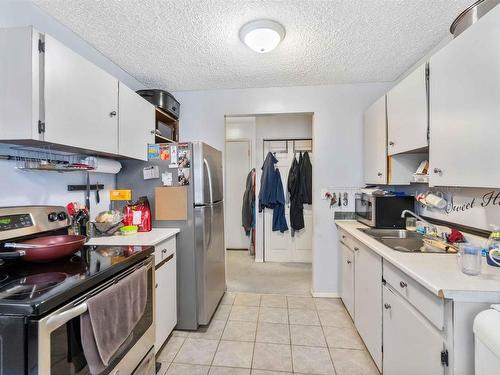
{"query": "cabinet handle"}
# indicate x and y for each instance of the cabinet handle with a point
(112, 114)
(349, 262)
(438, 171)
(402, 284)
(156, 286)
(391, 143)
(164, 251)
(343, 237)
(387, 306)
(379, 174)
(356, 249)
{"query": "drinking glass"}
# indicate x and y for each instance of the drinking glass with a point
(470, 259)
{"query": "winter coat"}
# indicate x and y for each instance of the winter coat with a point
(306, 179)
(279, 219)
(248, 207)
(296, 207)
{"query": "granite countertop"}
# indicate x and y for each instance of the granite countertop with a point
(152, 238)
(439, 273)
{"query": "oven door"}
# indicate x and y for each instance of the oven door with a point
(365, 209)
(57, 347)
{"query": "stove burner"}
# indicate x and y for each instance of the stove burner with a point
(31, 286)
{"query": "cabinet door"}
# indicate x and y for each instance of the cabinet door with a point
(136, 124)
(368, 301)
(464, 107)
(412, 346)
(375, 143)
(347, 278)
(166, 299)
(407, 122)
(81, 101)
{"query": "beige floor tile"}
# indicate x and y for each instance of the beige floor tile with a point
(163, 368)
(304, 317)
(307, 335)
(240, 331)
(353, 362)
(222, 312)
(216, 370)
(276, 357)
(332, 304)
(247, 299)
(273, 333)
(273, 300)
(295, 302)
(196, 352)
(228, 298)
(212, 332)
(177, 333)
(234, 354)
(335, 318)
(171, 348)
(309, 360)
(182, 369)
(244, 313)
(343, 337)
(273, 315)
(265, 372)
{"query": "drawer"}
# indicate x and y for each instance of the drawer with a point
(164, 249)
(348, 240)
(429, 305)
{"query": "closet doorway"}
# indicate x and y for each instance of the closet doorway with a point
(285, 247)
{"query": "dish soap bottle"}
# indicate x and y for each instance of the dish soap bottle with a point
(493, 247)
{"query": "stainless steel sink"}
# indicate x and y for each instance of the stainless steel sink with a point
(399, 239)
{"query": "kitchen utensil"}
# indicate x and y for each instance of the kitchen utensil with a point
(340, 199)
(87, 193)
(97, 196)
(45, 249)
(346, 199)
(470, 259)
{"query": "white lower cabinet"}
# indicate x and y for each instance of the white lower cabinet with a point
(412, 345)
(166, 291)
(367, 300)
(347, 279)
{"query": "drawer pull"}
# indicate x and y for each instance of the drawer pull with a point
(387, 306)
(164, 251)
(356, 249)
(349, 262)
(402, 284)
(343, 237)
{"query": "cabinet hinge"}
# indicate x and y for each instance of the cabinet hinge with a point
(41, 46)
(41, 127)
(444, 358)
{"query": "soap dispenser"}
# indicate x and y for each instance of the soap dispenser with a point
(493, 247)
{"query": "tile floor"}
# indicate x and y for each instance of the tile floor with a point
(254, 334)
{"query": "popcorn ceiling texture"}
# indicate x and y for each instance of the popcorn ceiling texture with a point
(192, 45)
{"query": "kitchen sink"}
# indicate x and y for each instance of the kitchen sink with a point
(399, 239)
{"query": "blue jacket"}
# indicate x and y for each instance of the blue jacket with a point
(271, 194)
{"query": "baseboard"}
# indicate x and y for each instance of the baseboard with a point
(324, 294)
(259, 260)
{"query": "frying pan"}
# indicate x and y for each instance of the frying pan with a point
(44, 249)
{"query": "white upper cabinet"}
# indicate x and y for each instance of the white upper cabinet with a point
(375, 143)
(407, 115)
(465, 107)
(81, 101)
(136, 124)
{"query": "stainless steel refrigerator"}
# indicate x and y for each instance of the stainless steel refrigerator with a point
(201, 279)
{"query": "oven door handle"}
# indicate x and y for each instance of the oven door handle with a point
(58, 320)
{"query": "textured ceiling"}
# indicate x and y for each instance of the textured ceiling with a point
(188, 45)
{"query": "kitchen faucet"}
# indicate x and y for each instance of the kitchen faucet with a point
(432, 227)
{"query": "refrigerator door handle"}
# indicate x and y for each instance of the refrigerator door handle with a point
(209, 174)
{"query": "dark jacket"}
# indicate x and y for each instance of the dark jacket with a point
(248, 207)
(306, 179)
(296, 207)
(279, 219)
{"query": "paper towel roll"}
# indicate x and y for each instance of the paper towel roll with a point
(103, 165)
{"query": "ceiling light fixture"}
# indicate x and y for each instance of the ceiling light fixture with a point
(262, 36)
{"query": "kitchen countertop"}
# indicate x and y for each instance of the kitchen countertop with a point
(439, 273)
(152, 238)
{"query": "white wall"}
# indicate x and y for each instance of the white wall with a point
(15, 13)
(337, 132)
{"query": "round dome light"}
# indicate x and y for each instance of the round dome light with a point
(262, 35)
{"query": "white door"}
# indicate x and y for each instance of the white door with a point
(375, 143)
(136, 124)
(465, 109)
(282, 247)
(347, 279)
(407, 113)
(368, 301)
(412, 345)
(81, 101)
(166, 299)
(238, 165)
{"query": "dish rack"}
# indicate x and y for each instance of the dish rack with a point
(46, 159)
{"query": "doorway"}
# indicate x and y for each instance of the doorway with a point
(265, 261)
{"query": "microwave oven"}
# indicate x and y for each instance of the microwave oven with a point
(382, 211)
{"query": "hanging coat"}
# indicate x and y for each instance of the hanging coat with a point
(248, 207)
(279, 219)
(306, 179)
(296, 207)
